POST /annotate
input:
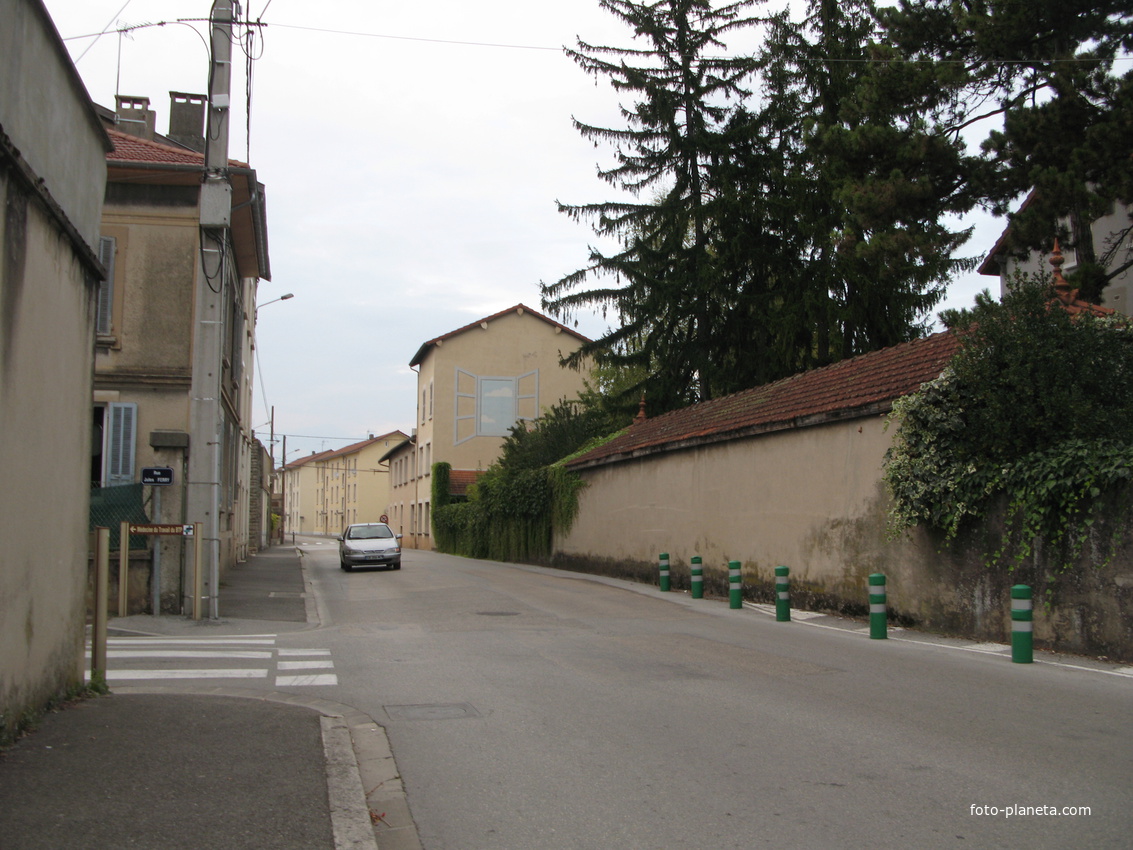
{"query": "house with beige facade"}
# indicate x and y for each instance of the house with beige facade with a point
(352, 484)
(53, 152)
(298, 486)
(473, 385)
(1113, 241)
(163, 271)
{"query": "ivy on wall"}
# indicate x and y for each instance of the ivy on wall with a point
(1035, 412)
(509, 515)
(514, 509)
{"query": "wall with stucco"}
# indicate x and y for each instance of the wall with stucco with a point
(52, 178)
(813, 499)
(45, 111)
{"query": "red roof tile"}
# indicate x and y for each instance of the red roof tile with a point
(861, 386)
(132, 149)
(460, 479)
(303, 461)
(1067, 297)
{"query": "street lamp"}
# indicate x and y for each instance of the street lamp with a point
(280, 298)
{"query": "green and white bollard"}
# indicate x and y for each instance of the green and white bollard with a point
(1022, 625)
(878, 627)
(782, 595)
(663, 566)
(735, 588)
(697, 578)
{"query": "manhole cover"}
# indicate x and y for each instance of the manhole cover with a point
(498, 613)
(437, 711)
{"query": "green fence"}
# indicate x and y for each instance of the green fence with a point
(111, 506)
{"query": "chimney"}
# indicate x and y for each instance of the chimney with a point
(133, 116)
(187, 119)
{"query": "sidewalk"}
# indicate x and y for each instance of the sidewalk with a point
(170, 767)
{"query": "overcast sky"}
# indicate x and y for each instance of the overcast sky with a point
(412, 155)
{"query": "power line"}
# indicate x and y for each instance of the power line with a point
(313, 437)
(418, 38)
(504, 46)
(132, 27)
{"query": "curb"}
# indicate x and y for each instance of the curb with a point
(368, 806)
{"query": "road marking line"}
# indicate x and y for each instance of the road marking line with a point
(796, 614)
(186, 653)
(302, 681)
(245, 673)
(306, 665)
(989, 647)
(129, 641)
(293, 653)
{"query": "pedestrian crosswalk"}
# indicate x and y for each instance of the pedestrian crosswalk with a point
(136, 659)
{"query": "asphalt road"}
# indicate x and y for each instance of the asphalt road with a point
(532, 708)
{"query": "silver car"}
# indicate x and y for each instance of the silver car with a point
(369, 544)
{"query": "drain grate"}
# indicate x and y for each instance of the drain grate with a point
(436, 711)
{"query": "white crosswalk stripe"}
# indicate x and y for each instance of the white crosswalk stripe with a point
(156, 659)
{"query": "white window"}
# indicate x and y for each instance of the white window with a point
(490, 406)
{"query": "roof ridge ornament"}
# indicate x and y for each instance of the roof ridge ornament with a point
(1062, 288)
(640, 411)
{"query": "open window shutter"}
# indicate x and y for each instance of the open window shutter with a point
(465, 402)
(527, 396)
(120, 443)
(104, 324)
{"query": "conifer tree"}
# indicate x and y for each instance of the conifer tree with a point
(671, 296)
(871, 183)
(1045, 70)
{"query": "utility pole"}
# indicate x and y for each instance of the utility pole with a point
(207, 416)
(283, 481)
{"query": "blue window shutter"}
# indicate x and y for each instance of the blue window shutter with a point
(120, 440)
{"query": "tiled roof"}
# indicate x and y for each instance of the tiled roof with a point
(518, 308)
(303, 461)
(129, 148)
(369, 441)
(132, 149)
(861, 386)
(460, 479)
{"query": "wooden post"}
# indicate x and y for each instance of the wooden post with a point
(123, 567)
(101, 582)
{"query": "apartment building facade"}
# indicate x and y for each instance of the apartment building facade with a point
(473, 385)
(153, 246)
(325, 492)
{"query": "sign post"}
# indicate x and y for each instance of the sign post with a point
(157, 477)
